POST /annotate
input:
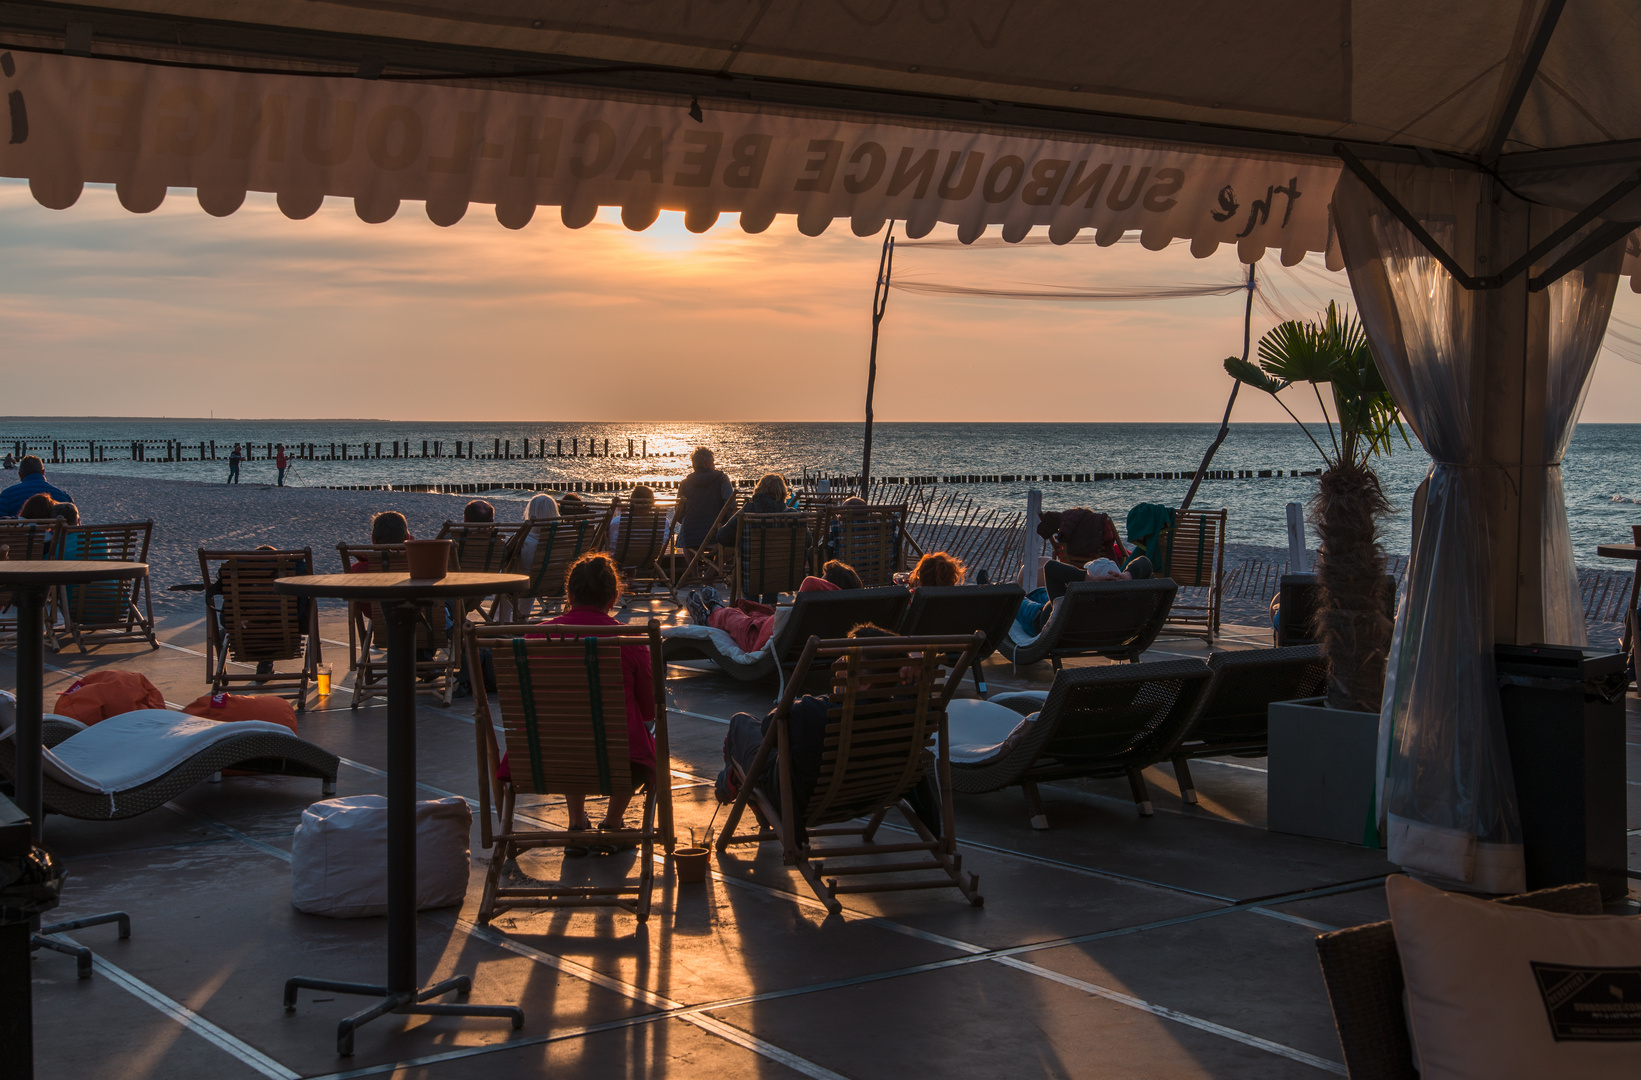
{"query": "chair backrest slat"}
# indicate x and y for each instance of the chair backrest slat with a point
(1192, 547)
(104, 603)
(640, 539)
(773, 551)
(868, 539)
(479, 547)
(258, 622)
(559, 542)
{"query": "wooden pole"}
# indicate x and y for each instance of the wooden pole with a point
(1225, 424)
(880, 303)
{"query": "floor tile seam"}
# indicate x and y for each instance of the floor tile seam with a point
(188, 1018)
(229, 831)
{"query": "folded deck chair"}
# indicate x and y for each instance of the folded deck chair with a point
(1363, 973)
(637, 541)
(813, 614)
(1112, 720)
(543, 552)
(963, 609)
(868, 539)
(24, 539)
(1192, 553)
(564, 721)
(106, 611)
(883, 732)
(438, 633)
(256, 625)
(480, 548)
(134, 762)
(1114, 619)
(1231, 715)
(772, 554)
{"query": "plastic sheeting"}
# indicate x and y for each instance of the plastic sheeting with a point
(1449, 794)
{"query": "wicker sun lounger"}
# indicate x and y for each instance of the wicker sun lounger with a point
(963, 609)
(70, 789)
(813, 614)
(1364, 978)
(1115, 619)
(1232, 715)
(1093, 722)
(883, 733)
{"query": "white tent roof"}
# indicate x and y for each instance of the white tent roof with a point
(1218, 123)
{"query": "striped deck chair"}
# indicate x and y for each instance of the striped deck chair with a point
(868, 538)
(24, 539)
(681, 568)
(543, 552)
(106, 611)
(257, 625)
(1192, 552)
(564, 728)
(637, 541)
(772, 555)
(480, 548)
(882, 735)
(438, 649)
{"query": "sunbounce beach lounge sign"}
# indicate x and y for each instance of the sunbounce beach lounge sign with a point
(146, 128)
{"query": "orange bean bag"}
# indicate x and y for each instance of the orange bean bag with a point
(232, 707)
(101, 694)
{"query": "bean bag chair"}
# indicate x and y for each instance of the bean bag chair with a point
(231, 707)
(339, 856)
(95, 697)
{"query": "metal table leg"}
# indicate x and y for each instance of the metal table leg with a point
(401, 994)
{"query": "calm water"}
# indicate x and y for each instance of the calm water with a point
(1603, 479)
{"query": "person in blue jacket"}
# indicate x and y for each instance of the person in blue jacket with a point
(31, 481)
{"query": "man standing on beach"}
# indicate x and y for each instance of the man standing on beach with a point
(233, 465)
(280, 462)
(31, 481)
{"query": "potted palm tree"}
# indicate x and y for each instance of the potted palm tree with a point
(1352, 623)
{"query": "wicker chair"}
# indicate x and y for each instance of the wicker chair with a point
(1364, 978)
(438, 646)
(562, 702)
(964, 609)
(1115, 619)
(882, 735)
(257, 625)
(106, 611)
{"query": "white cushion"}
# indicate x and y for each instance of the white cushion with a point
(339, 856)
(1497, 992)
(128, 750)
(983, 731)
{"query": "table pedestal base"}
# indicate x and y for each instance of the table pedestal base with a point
(411, 1002)
(82, 955)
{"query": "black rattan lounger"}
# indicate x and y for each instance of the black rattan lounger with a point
(1114, 619)
(1111, 720)
(963, 609)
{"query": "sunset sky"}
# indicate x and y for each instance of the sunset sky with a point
(176, 313)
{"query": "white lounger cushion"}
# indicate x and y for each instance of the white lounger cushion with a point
(983, 731)
(723, 643)
(129, 750)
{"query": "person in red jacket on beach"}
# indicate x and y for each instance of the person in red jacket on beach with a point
(751, 624)
(281, 462)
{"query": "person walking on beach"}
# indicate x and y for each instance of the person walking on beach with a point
(281, 462)
(233, 464)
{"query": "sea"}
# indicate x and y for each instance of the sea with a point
(1602, 471)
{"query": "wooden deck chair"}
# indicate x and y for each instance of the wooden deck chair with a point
(1113, 720)
(868, 538)
(964, 609)
(1192, 553)
(773, 553)
(543, 552)
(882, 735)
(1115, 619)
(1231, 718)
(257, 625)
(637, 541)
(438, 635)
(480, 548)
(681, 568)
(35, 541)
(106, 611)
(564, 727)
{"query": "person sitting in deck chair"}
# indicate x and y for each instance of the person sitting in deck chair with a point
(31, 481)
(478, 512)
(701, 496)
(751, 624)
(642, 502)
(807, 722)
(937, 568)
(1039, 604)
(593, 587)
(572, 505)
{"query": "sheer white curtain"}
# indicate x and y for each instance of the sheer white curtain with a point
(1580, 304)
(1449, 797)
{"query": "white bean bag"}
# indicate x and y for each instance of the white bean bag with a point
(339, 856)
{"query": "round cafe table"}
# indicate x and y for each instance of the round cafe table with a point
(29, 582)
(401, 599)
